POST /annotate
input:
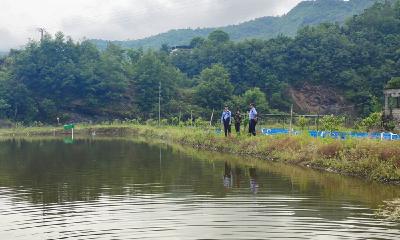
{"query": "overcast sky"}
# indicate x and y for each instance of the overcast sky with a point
(124, 19)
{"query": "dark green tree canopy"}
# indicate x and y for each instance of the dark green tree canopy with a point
(218, 37)
(394, 83)
(214, 89)
(58, 77)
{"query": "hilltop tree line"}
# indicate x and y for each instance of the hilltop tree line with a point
(58, 77)
(303, 14)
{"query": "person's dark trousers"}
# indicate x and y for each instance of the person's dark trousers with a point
(227, 126)
(252, 127)
(237, 128)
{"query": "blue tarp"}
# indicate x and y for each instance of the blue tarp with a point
(335, 135)
(277, 131)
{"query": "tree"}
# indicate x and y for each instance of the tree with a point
(255, 96)
(394, 83)
(197, 42)
(148, 73)
(214, 89)
(332, 123)
(303, 122)
(112, 75)
(372, 122)
(218, 37)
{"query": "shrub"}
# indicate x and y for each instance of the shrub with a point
(394, 83)
(284, 143)
(116, 122)
(199, 122)
(303, 122)
(389, 125)
(134, 121)
(37, 124)
(373, 121)
(164, 122)
(332, 123)
(175, 121)
(330, 150)
(389, 153)
(151, 122)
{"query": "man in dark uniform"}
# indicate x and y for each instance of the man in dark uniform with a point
(238, 121)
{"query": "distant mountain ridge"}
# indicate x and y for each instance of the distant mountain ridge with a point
(304, 14)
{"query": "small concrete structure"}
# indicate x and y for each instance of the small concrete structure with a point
(389, 111)
(180, 48)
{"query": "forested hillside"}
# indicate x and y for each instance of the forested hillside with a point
(307, 13)
(58, 77)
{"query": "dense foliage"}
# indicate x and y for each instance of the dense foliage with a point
(58, 77)
(306, 13)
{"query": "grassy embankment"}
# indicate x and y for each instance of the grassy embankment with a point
(370, 159)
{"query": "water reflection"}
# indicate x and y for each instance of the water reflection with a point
(238, 176)
(119, 189)
(253, 180)
(227, 176)
(232, 178)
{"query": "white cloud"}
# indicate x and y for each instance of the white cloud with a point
(124, 19)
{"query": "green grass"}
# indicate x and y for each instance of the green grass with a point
(370, 159)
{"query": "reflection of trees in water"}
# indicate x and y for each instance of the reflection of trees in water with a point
(238, 176)
(55, 172)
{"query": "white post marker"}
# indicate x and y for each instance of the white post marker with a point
(291, 120)
(212, 116)
(159, 104)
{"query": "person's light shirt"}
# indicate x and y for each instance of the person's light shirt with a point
(253, 113)
(226, 115)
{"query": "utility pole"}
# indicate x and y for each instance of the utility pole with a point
(42, 31)
(212, 116)
(291, 120)
(319, 110)
(159, 105)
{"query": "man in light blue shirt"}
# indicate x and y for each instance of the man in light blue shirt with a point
(226, 120)
(253, 119)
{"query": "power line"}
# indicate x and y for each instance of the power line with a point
(159, 105)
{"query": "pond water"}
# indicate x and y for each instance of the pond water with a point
(127, 189)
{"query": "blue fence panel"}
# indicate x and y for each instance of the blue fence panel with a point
(395, 137)
(335, 135)
(274, 131)
(358, 135)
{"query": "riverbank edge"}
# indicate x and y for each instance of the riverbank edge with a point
(368, 159)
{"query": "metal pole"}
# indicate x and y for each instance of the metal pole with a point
(291, 120)
(319, 109)
(159, 105)
(212, 116)
(191, 117)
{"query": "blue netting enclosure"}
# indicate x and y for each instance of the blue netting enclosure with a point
(335, 135)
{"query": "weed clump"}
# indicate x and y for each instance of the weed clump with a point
(330, 150)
